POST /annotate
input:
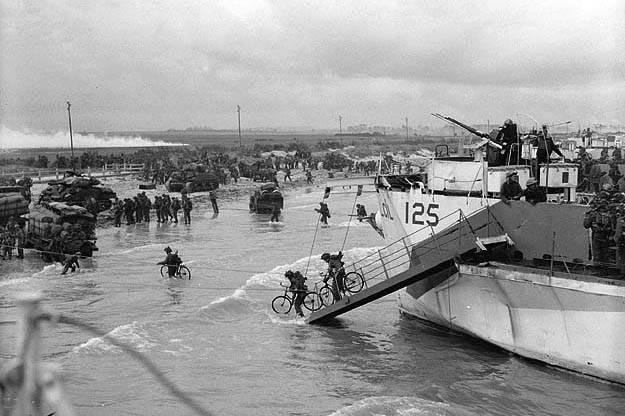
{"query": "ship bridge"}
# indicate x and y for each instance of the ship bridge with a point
(403, 262)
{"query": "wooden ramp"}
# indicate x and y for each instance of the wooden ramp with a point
(401, 263)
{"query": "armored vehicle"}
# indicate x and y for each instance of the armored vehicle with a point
(192, 179)
(57, 229)
(263, 200)
(75, 189)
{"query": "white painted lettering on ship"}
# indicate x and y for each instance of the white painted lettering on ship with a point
(417, 214)
(386, 211)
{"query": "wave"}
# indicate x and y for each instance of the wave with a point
(133, 334)
(401, 406)
(239, 302)
(17, 281)
(49, 270)
(12, 139)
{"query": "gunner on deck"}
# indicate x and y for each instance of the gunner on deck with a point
(511, 189)
(533, 193)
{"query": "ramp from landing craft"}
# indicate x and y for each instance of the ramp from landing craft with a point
(403, 264)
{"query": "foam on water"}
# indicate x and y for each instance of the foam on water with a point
(12, 139)
(239, 302)
(400, 406)
(49, 270)
(133, 334)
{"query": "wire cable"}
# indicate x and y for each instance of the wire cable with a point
(349, 223)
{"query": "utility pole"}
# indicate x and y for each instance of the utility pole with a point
(239, 115)
(71, 138)
(406, 128)
(340, 124)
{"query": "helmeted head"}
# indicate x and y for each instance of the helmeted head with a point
(512, 175)
(168, 250)
(78, 253)
(507, 122)
(607, 187)
(325, 256)
(531, 181)
(288, 273)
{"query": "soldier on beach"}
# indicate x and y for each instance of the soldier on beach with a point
(287, 174)
(157, 207)
(175, 207)
(71, 262)
(187, 206)
(275, 213)
(309, 177)
(118, 210)
(147, 204)
(324, 211)
(213, 199)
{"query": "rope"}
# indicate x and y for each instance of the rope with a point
(147, 363)
(312, 245)
(349, 223)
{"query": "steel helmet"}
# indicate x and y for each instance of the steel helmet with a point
(325, 256)
(167, 249)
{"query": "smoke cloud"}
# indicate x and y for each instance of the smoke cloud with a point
(12, 139)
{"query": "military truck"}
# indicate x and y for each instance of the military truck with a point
(263, 199)
(193, 178)
(14, 198)
(75, 189)
(57, 229)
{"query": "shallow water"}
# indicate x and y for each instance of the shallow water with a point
(218, 339)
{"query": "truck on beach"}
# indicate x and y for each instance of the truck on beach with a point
(56, 229)
(265, 198)
(13, 203)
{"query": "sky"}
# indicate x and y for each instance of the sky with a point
(160, 64)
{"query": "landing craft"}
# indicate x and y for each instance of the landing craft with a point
(516, 275)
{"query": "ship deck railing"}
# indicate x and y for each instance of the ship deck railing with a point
(403, 254)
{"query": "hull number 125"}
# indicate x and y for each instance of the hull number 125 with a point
(416, 215)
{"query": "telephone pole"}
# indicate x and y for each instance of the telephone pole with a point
(71, 138)
(239, 115)
(406, 127)
(340, 124)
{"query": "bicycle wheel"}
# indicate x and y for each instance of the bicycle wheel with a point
(281, 304)
(164, 271)
(353, 282)
(184, 272)
(325, 293)
(312, 301)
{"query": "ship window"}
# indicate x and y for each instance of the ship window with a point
(565, 177)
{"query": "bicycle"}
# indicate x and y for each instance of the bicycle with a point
(282, 304)
(353, 282)
(182, 272)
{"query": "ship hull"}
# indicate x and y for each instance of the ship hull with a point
(571, 321)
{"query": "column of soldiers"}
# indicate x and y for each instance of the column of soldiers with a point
(137, 209)
(606, 219)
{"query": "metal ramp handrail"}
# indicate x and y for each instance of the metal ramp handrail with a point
(401, 255)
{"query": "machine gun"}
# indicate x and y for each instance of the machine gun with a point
(484, 136)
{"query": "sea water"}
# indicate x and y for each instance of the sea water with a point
(216, 337)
